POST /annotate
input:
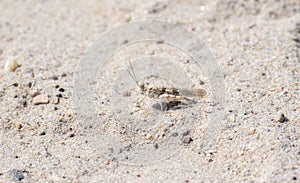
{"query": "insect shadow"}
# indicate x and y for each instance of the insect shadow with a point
(171, 105)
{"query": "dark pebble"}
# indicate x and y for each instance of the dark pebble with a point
(43, 133)
(155, 145)
(17, 175)
(187, 140)
(61, 90)
(59, 95)
(29, 84)
(24, 102)
(282, 118)
(53, 77)
(72, 135)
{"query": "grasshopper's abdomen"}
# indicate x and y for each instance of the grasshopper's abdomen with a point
(192, 92)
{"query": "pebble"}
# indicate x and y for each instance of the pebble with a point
(53, 77)
(187, 140)
(201, 83)
(56, 100)
(17, 175)
(252, 131)
(18, 126)
(155, 145)
(232, 118)
(57, 63)
(40, 99)
(282, 118)
(107, 162)
(11, 65)
(34, 93)
(24, 102)
(42, 133)
(148, 136)
(59, 95)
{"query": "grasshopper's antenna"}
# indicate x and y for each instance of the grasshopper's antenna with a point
(132, 74)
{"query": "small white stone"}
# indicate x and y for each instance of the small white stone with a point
(10, 65)
(148, 136)
(40, 99)
(232, 117)
(56, 100)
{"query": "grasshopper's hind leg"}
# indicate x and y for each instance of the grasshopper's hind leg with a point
(138, 103)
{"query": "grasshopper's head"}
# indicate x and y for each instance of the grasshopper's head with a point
(141, 85)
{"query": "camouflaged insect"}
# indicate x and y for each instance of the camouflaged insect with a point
(175, 97)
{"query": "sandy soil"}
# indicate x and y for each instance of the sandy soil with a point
(255, 43)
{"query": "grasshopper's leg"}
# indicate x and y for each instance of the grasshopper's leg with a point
(138, 103)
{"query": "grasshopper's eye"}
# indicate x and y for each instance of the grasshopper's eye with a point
(141, 85)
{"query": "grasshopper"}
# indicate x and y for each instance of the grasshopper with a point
(176, 98)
